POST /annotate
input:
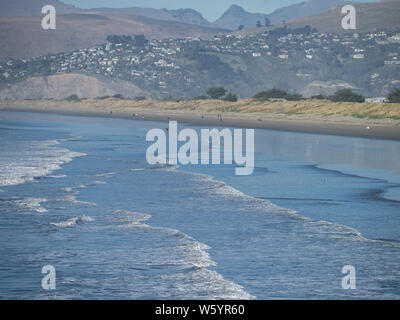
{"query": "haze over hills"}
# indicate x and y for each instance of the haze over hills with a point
(17, 8)
(236, 16)
(25, 37)
(370, 16)
(181, 15)
(231, 19)
(304, 9)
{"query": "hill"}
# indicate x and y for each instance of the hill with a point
(25, 37)
(236, 16)
(17, 8)
(370, 16)
(304, 9)
(181, 15)
(62, 86)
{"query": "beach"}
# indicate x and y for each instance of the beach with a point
(77, 193)
(377, 121)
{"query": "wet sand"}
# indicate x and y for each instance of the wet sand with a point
(332, 125)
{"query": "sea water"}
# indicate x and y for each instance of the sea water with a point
(77, 193)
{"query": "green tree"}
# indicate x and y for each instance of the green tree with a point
(216, 92)
(394, 96)
(258, 25)
(241, 27)
(277, 94)
(231, 97)
(72, 97)
(201, 97)
(346, 95)
(267, 22)
(140, 41)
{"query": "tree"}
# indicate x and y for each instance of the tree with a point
(258, 25)
(231, 97)
(140, 41)
(394, 96)
(201, 97)
(216, 92)
(346, 95)
(277, 94)
(139, 98)
(241, 27)
(267, 22)
(72, 97)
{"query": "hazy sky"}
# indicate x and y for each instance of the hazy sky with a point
(211, 9)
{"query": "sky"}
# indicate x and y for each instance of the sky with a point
(210, 9)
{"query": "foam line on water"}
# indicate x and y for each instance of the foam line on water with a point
(32, 160)
(190, 257)
(72, 222)
(334, 230)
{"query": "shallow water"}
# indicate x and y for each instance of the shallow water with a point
(77, 193)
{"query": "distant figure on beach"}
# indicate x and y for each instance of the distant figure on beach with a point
(368, 128)
(259, 120)
(202, 116)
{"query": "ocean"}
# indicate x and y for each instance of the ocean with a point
(77, 193)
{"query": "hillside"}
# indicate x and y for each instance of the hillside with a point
(370, 16)
(181, 15)
(17, 8)
(295, 60)
(25, 38)
(304, 9)
(64, 85)
(236, 16)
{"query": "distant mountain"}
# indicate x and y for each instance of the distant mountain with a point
(370, 16)
(181, 15)
(304, 9)
(25, 38)
(236, 16)
(18, 8)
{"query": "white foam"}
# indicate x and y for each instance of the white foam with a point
(73, 221)
(28, 204)
(105, 175)
(32, 160)
(72, 199)
(57, 176)
(192, 258)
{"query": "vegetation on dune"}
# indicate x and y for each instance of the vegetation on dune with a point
(216, 92)
(276, 94)
(346, 95)
(394, 96)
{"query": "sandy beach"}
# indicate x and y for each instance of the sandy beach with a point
(302, 117)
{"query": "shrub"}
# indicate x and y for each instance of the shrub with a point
(72, 97)
(202, 97)
(346, 95)
(216, 92)
(230, 97)
(276, 94)
(394, 96)
(319, 97)
(139, 98)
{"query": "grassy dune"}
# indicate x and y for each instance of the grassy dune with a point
(323, 108)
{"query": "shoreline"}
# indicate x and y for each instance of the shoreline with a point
(387, 129)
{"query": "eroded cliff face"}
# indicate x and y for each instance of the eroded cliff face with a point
(62, 86)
